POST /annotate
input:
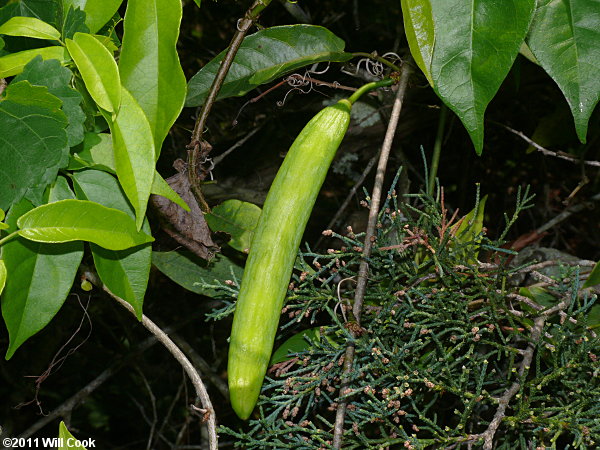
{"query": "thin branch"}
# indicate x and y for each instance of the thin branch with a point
(545, 151)
(238, 144)
(369, 239)
(68, 405)
(190, 370)
(488, 434)
(568, 213)
(198, 148)
(348, 198)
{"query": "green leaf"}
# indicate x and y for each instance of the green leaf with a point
(74, 22)
(296, 344)
(565, 39)
(194, 273)
(594, 277)
(58, 81)
(39, 278)
(133, 149)
(2, 275)
(265, 56)
(29, 27)
(236, 218)
(419, 29)
(44, 10)
(124, 272)
(97, 153)
(476, 43)
(97, 12)
(66, 439)
(13, 63)
(197, 2)
(162, 188)
(98, 70)
(149, 65)
(72, 220)
(33, 139)
(59, 190)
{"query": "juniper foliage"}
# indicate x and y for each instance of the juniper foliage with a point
(448, 352)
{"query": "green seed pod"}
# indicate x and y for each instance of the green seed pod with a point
(274, 249)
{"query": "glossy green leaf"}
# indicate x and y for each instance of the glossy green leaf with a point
(267, 55)
(33, 139)
(133, 149)
(236, 218)
(97, 153)
(2, 275)
(296, 344)
(39, 278)
(594, 277)
(58, 81)
(13, 63)
(149, 64)
(565, 40)
(471, 57)
(29, 27)
(66, 440)
(194, 273)
(124, 272)
(72, 220)
(420, 33)
(98, 70)
(97, 12)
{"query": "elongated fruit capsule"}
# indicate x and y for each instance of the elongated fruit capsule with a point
(273, 252)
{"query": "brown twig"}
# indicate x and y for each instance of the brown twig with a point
(568, 213)
(190, 370)
(545, 151)
(198, 147)
(369, 240)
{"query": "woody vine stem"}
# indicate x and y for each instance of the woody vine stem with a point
(369, 239)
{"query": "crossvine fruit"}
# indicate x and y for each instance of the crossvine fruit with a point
(273, 252)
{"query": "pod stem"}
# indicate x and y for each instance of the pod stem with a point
(369, 87)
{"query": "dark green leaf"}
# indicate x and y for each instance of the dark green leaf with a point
(149, 65)
(476, 43)
(58, 81)
(236, 218)
(124, 272)
(191, 272)
(39, 278)
(296, 344)
(98, 12)
(72, 220)
(565, 40)
(59, 190)
(267, 55)
(33, 139)
(74, 23)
